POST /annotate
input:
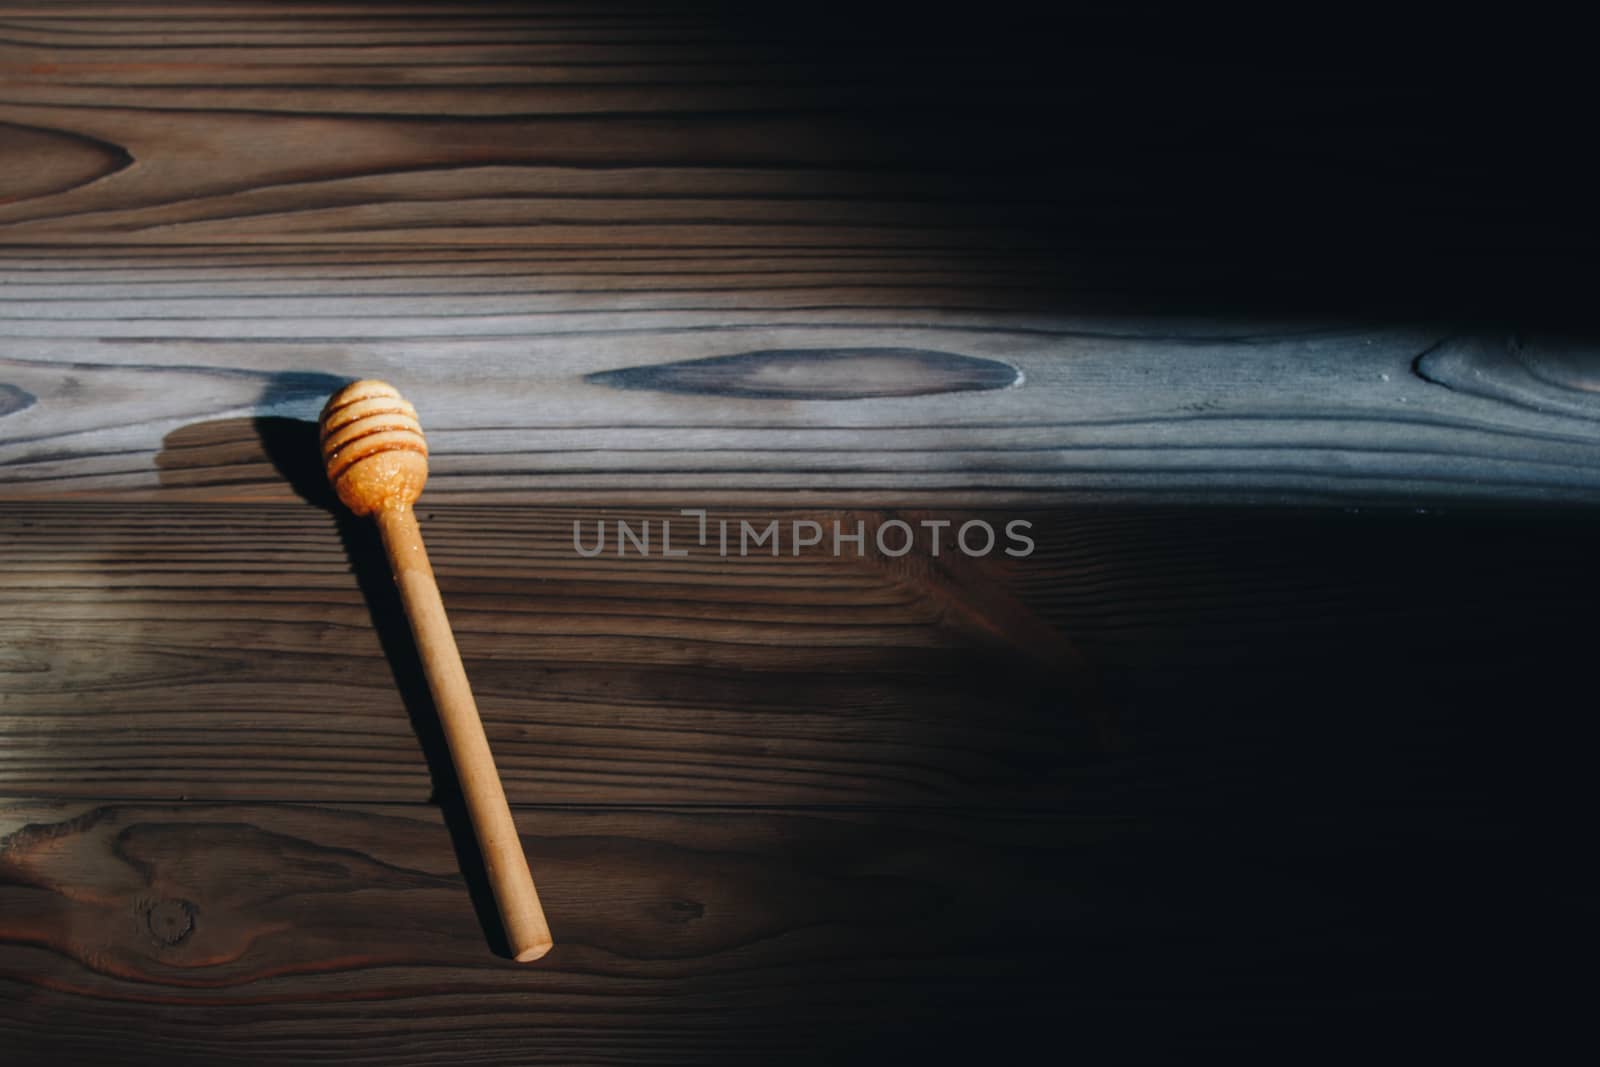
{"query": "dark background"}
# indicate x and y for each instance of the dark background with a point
(1396, 159)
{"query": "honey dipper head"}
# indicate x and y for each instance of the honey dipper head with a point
(373, 448)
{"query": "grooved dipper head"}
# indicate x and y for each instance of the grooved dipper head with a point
(373, 448)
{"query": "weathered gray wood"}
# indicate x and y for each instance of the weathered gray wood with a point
(143, 398)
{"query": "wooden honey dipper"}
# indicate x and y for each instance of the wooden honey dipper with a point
(377, 461)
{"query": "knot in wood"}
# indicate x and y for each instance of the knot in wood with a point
(170, 921)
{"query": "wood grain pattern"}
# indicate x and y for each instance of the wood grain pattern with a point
(817, 374)
(1560, 375)
(567, 202)
(487, 125)
(1185, 784)
(230, 653)
(507, 122)
(13, 399)
(795, 679)
(241, 933)
(41, 162)
(1097, 415)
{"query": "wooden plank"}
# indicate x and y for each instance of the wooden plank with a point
(528, 126)
(206, 651)
(233, 933)
(145, 399)
(380, 122)
(535, 218)
(256, 652)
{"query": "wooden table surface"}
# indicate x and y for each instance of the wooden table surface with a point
(1272, 742)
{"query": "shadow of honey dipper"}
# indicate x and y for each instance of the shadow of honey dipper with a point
(293, 447)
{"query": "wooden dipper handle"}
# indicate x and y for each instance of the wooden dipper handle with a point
(377, 461)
